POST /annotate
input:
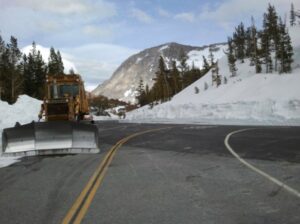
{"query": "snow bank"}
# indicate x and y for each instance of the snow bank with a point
(247, 99)
(25, 110)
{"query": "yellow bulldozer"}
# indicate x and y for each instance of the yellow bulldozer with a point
(63, 129)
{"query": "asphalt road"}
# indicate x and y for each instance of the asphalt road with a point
(184, 174)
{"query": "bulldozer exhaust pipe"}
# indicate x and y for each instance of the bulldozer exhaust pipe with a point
(47, 138)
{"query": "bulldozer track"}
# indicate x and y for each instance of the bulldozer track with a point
(81, 205)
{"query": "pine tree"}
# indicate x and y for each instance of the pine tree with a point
(225, 80)
(266, 45)
(52, 65)
(254, 56)
(34, 72)
(71, 71)
(271, 22)
(205, 86)
(206, 66)
(292, 16)
(289, 53)
(161, 88)
(55, 63)
(218, 76)
(183, 67)
(231, 58)
(285, 51)
(211, 56)
(176, 82)
(239, 42)
(248, 44)
(141, 94)
(270, 37)
(12, 71)
(40, 71)
(60, 63)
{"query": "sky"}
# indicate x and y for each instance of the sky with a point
(98, 35)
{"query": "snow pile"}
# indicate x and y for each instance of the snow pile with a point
(25, 110)
(248, 98)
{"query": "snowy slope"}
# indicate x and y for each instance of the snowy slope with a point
(248, 98)
(24, 111)
(45, 52)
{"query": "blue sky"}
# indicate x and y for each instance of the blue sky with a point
(99, 34)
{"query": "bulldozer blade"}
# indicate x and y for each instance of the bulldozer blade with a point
(47, 138)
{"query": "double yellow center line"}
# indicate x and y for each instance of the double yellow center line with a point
(84, 200)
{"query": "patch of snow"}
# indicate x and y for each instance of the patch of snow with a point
(128, 93)
(7, 161)
(138, 60)
(163, 47)
(24, 111)
(196, 56)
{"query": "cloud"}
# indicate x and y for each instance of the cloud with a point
(186, 16)
(230, 12)
(66, 7)
(97, 62)
(141, 16)
(163, 12)
(98, 32)
(50, 20)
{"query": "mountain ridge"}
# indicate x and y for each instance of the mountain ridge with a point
(143, 65)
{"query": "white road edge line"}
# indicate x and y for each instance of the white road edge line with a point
(262, 173)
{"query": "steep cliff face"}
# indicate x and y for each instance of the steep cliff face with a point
(124, 81)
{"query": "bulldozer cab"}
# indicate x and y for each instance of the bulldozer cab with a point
(63, 90)
(65, 98)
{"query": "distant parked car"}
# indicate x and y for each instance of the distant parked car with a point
(99, 112)
(94, 110)
(121, 112)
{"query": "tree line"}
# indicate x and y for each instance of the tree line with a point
(269, 48)
(170, 81)
(25, 74)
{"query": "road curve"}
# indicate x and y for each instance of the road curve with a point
(183, 174)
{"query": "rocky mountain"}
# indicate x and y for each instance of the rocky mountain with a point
(124, 81)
